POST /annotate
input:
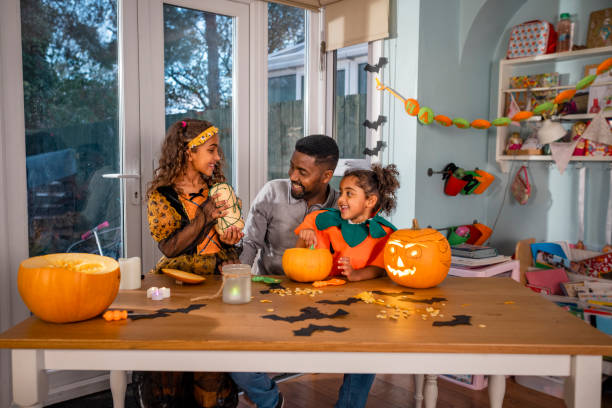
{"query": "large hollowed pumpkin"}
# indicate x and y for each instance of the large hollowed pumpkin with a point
(63, 288)
(307, 265)
(417, 258)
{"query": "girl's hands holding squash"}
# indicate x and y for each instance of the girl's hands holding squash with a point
(213, 209)
(232, 236)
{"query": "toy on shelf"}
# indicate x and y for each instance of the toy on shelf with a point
(577, 131)
(514, 143)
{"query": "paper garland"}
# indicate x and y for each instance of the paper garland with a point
(426, 115)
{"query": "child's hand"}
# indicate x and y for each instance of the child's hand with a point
(309, 237)
(231, 236)
(214, 209)
(344, 265)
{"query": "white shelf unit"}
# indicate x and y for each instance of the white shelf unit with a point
(508, 68)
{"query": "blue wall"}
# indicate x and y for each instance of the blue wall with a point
(445, 54)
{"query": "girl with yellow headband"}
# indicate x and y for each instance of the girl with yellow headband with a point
(181, 218)
(180, 213)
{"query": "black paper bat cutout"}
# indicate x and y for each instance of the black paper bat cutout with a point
(373, 152)
(307, 331)
(374, 125)
(394, 294)
(348, 301)
(166, 312)
(375, 68)
(307, 313)
(428, 301)
(457, 320)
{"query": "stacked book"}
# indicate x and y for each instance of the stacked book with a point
(474, 256)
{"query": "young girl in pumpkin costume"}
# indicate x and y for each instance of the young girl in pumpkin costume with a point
(355, 233)
(181, 217)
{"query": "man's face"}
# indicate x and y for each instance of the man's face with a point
(307, 177)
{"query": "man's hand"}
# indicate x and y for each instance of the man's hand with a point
(309, 237)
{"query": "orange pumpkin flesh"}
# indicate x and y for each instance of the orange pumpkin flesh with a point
(183, 276)
(417, 258)
(307, 265)
(63, 288)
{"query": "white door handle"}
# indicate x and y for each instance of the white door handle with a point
(120, 176)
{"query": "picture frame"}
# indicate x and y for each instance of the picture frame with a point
(603, 94)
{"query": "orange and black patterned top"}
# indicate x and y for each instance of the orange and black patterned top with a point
(168, 212)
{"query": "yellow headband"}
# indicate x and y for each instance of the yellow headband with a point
(202, 137)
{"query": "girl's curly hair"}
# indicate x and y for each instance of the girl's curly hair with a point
(173, 160)
(382, 182)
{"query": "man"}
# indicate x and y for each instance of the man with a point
(280, 206)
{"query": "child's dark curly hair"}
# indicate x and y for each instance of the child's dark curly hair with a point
(382, 182)
(173, 160)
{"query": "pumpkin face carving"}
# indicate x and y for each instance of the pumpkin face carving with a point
(417, 258)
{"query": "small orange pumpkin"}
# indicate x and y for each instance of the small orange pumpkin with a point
(63, 288)
(307, 265)
(417, 258)
(481, 124)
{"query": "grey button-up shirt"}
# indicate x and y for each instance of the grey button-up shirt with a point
(273, 217)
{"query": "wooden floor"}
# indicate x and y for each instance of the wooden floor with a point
(390, 391)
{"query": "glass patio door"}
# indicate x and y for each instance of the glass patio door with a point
(82, 168)
(197, 63)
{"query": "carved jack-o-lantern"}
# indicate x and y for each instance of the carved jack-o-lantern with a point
(417, 258)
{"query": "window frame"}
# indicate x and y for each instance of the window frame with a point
(373, 109)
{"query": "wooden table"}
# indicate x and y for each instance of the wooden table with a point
(513, 331)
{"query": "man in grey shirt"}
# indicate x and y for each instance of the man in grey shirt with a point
(281, 205)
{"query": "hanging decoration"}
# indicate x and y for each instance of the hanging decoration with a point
(426, 114)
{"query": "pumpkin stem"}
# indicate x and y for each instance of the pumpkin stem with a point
(415, 224)
(311, 246)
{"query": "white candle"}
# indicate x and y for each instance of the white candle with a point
(130, 273)
(165, 292)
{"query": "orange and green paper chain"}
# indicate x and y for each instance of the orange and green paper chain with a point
(426, 115)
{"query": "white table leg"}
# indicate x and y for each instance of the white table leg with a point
(418, 390)
(497, 390)
(583, 386)
(118, 385)
(30, 387)
(431, 391)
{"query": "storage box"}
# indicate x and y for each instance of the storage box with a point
(474, 382)
(547, 384)
(534, 37)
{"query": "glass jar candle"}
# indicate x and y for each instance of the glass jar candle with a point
(237, 283)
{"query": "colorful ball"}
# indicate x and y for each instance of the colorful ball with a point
(501, 121)
(443, 120)
(412, 107)
(481, 124)
(426, 115)
(461, 123)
